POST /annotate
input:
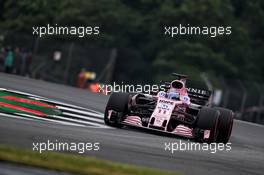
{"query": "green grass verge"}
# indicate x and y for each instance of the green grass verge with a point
(72, 163)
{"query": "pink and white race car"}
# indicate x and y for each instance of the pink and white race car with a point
(177, 110)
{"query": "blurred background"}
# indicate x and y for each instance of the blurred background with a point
(132, 47)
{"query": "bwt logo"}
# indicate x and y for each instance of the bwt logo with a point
(164, 106)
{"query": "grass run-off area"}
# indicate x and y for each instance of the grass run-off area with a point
(72, 163)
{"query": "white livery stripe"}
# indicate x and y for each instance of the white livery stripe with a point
(182, 133)
(132, 120)
(183, 130)
(136, 119)
(133, 123)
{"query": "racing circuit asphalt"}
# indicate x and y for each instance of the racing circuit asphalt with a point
(129, 145)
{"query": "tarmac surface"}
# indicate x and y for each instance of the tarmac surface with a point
(128, 145)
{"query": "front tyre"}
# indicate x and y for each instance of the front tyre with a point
(116, 109)
(225, 125)
(208, 120)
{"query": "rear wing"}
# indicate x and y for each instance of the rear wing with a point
(199, 96)
(181, 77)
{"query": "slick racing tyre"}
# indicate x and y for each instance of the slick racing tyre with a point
(118, 104)
(208, 120)
(225, 125)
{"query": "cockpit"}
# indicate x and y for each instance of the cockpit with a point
(176, 91)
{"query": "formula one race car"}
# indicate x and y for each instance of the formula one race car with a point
(176, 110)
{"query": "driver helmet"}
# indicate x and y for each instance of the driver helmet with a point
(173, 95)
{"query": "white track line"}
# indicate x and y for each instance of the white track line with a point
(83, 117)
(15, 116)
(32, 118)
(19, 92)
(57, 103)
(51, 120)
(37, 97)
(81, 112)
(81, 122)
(85, 113)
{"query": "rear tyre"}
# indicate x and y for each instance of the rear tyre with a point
(225, 125)
(118, 103)
(208, 120)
